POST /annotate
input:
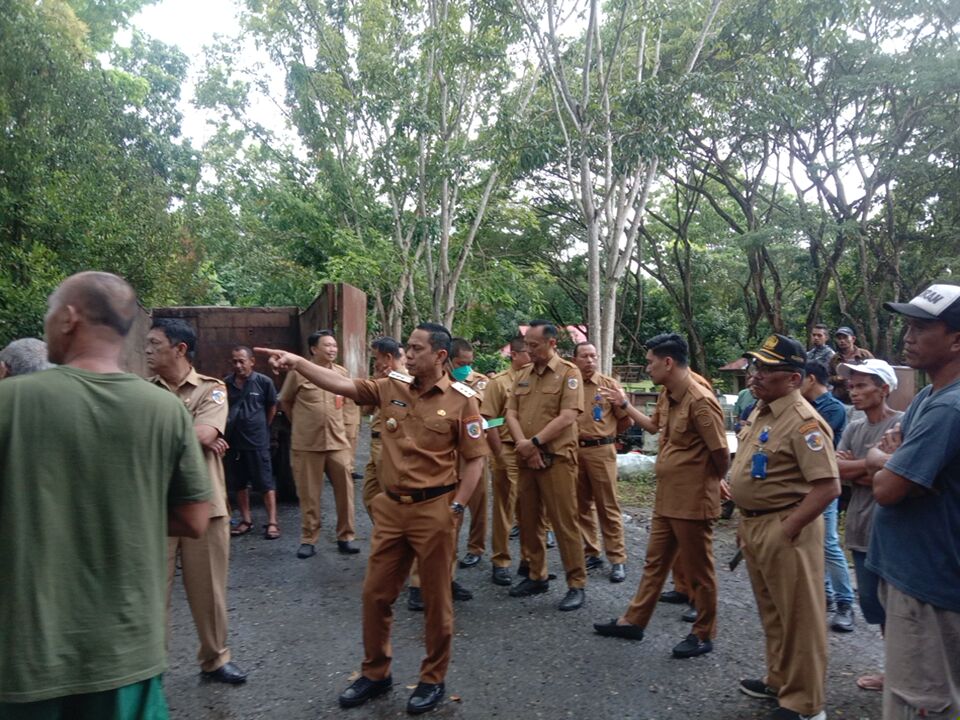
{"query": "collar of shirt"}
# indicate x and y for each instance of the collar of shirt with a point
(553, 363)
(782, 403)
(678, 393)
(191, 378)
(443, 384)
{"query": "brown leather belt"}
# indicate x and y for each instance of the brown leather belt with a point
(758, 513)
(374, 434)
(408, 497)
(599, 441)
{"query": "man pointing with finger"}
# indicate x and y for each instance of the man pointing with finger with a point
(429, 421)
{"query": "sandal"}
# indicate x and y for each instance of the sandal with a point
(870, 682)
(242, 528)
(271, 534)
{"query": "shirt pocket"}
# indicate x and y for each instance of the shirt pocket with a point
(680, 435)
(438, 434)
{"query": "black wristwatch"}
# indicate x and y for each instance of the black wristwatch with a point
(535, 440)
(623, 405)
(457, 507)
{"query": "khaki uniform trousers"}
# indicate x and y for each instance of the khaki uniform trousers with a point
(680, 582)
(353, 435)
(204, 563)
(424, 530)
(477, 506)
(372, 486)
(504, 473)
(688, 543)
(597, 484)
(555, 490)
(308, 469)
(787, 579)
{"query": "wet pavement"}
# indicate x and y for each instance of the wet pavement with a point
(295, 628)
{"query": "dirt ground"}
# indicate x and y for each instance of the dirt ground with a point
(295, 627)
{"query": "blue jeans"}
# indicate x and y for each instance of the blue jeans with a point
(836, 578)
(868, 588)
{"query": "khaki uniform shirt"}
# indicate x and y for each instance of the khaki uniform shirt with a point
(691, 428)
(538, 396)
(206, 400)
(494, 403)
(317, 422)
(799, 451)
(587, 427)
(478, 382)
(351, 411)
(423, 434)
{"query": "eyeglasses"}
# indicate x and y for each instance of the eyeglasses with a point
(754, 369)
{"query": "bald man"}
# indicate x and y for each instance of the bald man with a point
(96, 468)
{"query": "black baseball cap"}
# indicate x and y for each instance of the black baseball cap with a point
(937, 302)
(845, 330)
(780, 350)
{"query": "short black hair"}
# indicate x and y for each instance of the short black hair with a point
(177, 331)
(821, 326)
(818, 371)
(439, 336)
(517, 344)
(243, 348)
(386, 346)
(549, 329)
(459, 345)
(670, 345)
(315, 336)
(576, 348)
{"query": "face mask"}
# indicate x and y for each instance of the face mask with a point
(460, 374)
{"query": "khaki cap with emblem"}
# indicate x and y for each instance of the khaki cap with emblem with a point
(780, 350)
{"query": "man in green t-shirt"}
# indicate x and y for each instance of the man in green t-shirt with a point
(96, 468)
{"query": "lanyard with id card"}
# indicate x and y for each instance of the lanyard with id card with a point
(758, 463)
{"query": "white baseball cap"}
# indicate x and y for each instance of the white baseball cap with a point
(872, 366)
(937, 302)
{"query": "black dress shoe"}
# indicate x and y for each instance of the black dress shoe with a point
(551, 539)
(592, 562)
(363, 689)
(612, 629)
(689, 615)
(618, 573)
(501, 576)
(527, 587)
(229, 674)
(469, 560)
(460, 592)
(674, 597)
(514, 532)
(691, 646)
(573, 600)
(425, 698)
(414, 600)
(347, 547)
(306, 550)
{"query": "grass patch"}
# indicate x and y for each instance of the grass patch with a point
(637, 490)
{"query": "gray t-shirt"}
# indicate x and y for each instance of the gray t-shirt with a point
(858, 438)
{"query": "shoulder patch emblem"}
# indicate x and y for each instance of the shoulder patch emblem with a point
(474, 427)
(572, 383)
(814, 440)
(218, 396)
(464, 390)
(402, 377)
(482, 385)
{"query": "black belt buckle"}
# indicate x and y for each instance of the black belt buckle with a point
(375, 435)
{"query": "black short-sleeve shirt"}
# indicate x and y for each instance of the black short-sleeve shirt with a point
(247, 421)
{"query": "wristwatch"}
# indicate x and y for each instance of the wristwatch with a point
(535, 440)
(457, 507)
(623, 405)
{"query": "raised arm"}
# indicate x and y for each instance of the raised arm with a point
(320, 376)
